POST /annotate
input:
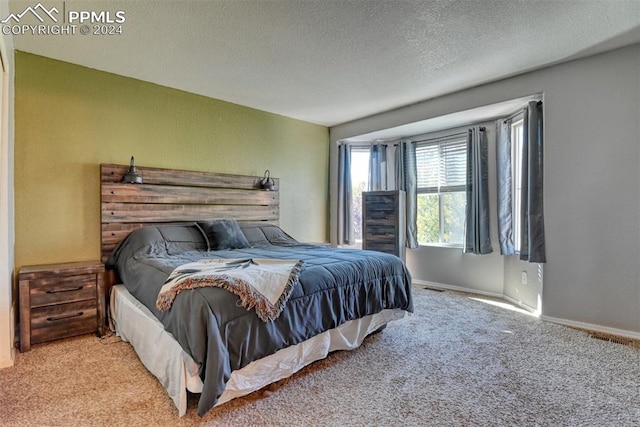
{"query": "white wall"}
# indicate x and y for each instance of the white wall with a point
(7, 305)
(592, 180)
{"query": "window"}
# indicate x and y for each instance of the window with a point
(517, 126)
(359, 183)
(442, 170)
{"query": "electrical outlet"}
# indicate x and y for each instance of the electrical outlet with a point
(525, 278)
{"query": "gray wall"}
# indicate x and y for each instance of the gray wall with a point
(529, 294)
(592, 183)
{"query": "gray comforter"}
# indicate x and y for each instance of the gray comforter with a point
(337, 285)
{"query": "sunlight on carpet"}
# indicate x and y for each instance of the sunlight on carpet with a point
(505, 305)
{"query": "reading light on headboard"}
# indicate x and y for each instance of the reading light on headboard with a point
(267, 183)
(132, 176)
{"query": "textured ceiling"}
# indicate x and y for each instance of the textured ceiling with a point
(330, 62)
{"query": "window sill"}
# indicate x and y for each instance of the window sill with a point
(440, 245)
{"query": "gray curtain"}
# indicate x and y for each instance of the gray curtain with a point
(532, 246)
(345, 216)
(477, 236)
(407, 180)
(505, 202)
(378, 168)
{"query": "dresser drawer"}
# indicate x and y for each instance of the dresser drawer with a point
(381, 230)
(387, 247)
(57, 290)
(381, 214)
(379, 199)
(373, 241)
(63, 320)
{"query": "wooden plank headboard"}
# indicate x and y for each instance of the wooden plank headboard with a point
(170, 195)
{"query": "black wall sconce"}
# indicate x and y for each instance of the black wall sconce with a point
(132, 176)
(267, 183)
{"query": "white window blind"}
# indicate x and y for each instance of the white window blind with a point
(442, 164)
(442, 175)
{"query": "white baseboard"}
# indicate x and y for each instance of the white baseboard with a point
(522, 305)
(592, 327)
(7, 358)
(437, 285)
(6, 362)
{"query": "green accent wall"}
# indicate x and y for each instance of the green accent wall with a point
(69, 119)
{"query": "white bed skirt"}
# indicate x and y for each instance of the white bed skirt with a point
(163, 356)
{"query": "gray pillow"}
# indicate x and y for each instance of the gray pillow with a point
(260, 234)
(223, 234)
(183, 238)
(254, 234)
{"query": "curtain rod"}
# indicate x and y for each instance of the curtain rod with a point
(539, 103)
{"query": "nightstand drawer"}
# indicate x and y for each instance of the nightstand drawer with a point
(56, 290)
(63, 320)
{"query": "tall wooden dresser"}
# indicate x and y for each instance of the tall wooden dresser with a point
(383, 222)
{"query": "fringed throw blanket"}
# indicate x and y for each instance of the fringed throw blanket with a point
(263, 284)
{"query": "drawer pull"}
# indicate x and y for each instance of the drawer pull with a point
(77, 288)
(53, 319)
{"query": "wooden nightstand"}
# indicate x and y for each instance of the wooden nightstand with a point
(60, 300)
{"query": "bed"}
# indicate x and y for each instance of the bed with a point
(207, 342)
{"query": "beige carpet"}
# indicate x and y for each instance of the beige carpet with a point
(456, 362)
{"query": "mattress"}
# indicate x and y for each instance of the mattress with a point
(163, 356)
